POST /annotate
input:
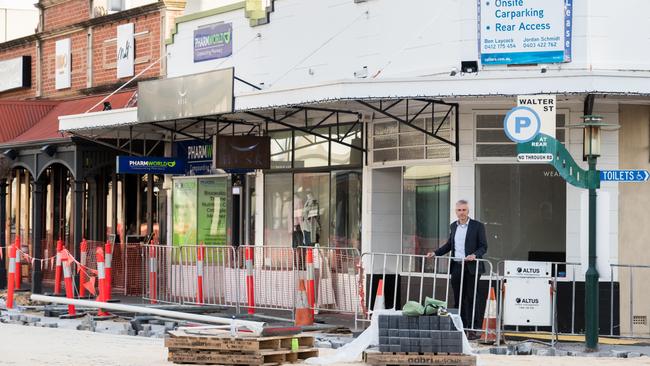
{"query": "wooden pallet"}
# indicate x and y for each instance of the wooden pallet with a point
(220, 348)
(429, 359)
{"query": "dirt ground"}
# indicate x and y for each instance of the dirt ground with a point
(23, 345)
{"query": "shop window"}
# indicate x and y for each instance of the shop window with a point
(310, 209)
(281, 147)
(311, 150)
(342, 154)
(346, 209)
(491, 140)
(398, 141)
(523, 207)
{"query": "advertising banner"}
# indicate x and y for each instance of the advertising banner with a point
(125, 50)
(213, 41)
(525, 31)
(184, 193)
(212, 195)
(197, 155)
(15, 73)
(149, 165)
(62, 66)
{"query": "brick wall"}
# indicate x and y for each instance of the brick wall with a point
(27, 49)
(65, 12)
(147, 48)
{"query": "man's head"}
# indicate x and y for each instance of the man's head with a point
(462, 210)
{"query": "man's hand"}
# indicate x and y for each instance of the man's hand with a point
(470, 257)
(431, 255)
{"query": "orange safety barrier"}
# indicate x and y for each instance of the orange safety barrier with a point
(10, 277)
(304, 315)
(108, 257)
(200, 253)
(489, 333)
(250, 282)
(67, 278)
(153, 269)
(380, 302)
(18, 275)
(101, 276)
(57, 274)
(311, 288)
(83, 248)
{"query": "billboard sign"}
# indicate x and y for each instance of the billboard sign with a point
(515, 32)
(149, 165)
(125, 50)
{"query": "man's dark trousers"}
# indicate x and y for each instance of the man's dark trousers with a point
(470, 281)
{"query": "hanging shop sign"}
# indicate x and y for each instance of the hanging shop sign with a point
(212, 42)
(243, 152)
(125, 50)
(149, 165)
(62, 64)
(16, 73)
(525, 31)
(197, 155)
(196, 95)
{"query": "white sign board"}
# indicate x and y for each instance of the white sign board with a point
(125, 50)
(525, 31)
(544, 106)
(13, 72)
(527, 269)
(62, 67)
(527, 301)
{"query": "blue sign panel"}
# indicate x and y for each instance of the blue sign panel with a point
(212, 42)
(197, 155)
(149, 165)
(624, 175)
(524, 31)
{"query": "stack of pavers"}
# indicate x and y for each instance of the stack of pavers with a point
(422, 334)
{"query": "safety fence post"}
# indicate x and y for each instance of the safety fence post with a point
(200, 252)
(18, 274)
(10, 277)
(152, 273)
(250, 284)
(109, 275)
(58, 270)
(311, 288)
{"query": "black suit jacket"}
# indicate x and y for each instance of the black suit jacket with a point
(475, 243)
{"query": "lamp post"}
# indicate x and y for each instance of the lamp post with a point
(591, 149)
(592, 126)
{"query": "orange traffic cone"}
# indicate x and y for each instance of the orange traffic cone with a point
(304, 316)
(489, 333)
(380, 303)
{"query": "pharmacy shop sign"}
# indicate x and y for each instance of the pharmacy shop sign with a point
(213, 41)
(525, 31)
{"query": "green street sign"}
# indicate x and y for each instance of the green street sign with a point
(544, 148)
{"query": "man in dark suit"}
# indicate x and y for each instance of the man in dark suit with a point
(467, 242)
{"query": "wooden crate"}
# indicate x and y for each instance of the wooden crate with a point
(428, 359)
(222, 349)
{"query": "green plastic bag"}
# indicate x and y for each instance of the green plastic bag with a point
(413, 308)
(431, 305)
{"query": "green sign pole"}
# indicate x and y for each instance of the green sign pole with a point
(591, 278)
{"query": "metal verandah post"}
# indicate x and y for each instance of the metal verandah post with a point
(591, 278)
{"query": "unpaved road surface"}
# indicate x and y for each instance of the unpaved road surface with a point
(22, 345)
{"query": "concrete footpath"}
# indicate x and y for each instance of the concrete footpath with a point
(28, 345)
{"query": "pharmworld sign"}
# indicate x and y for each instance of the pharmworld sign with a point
(149, 165)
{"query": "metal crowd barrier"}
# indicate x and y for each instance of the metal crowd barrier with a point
(413, 271)
(632, 284)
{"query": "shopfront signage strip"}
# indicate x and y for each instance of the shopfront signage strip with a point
(149, 165)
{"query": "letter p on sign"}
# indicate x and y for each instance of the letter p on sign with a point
(521, 124)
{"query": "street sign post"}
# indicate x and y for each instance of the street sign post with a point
(635, 175)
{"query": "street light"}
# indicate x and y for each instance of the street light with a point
(591, 126)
